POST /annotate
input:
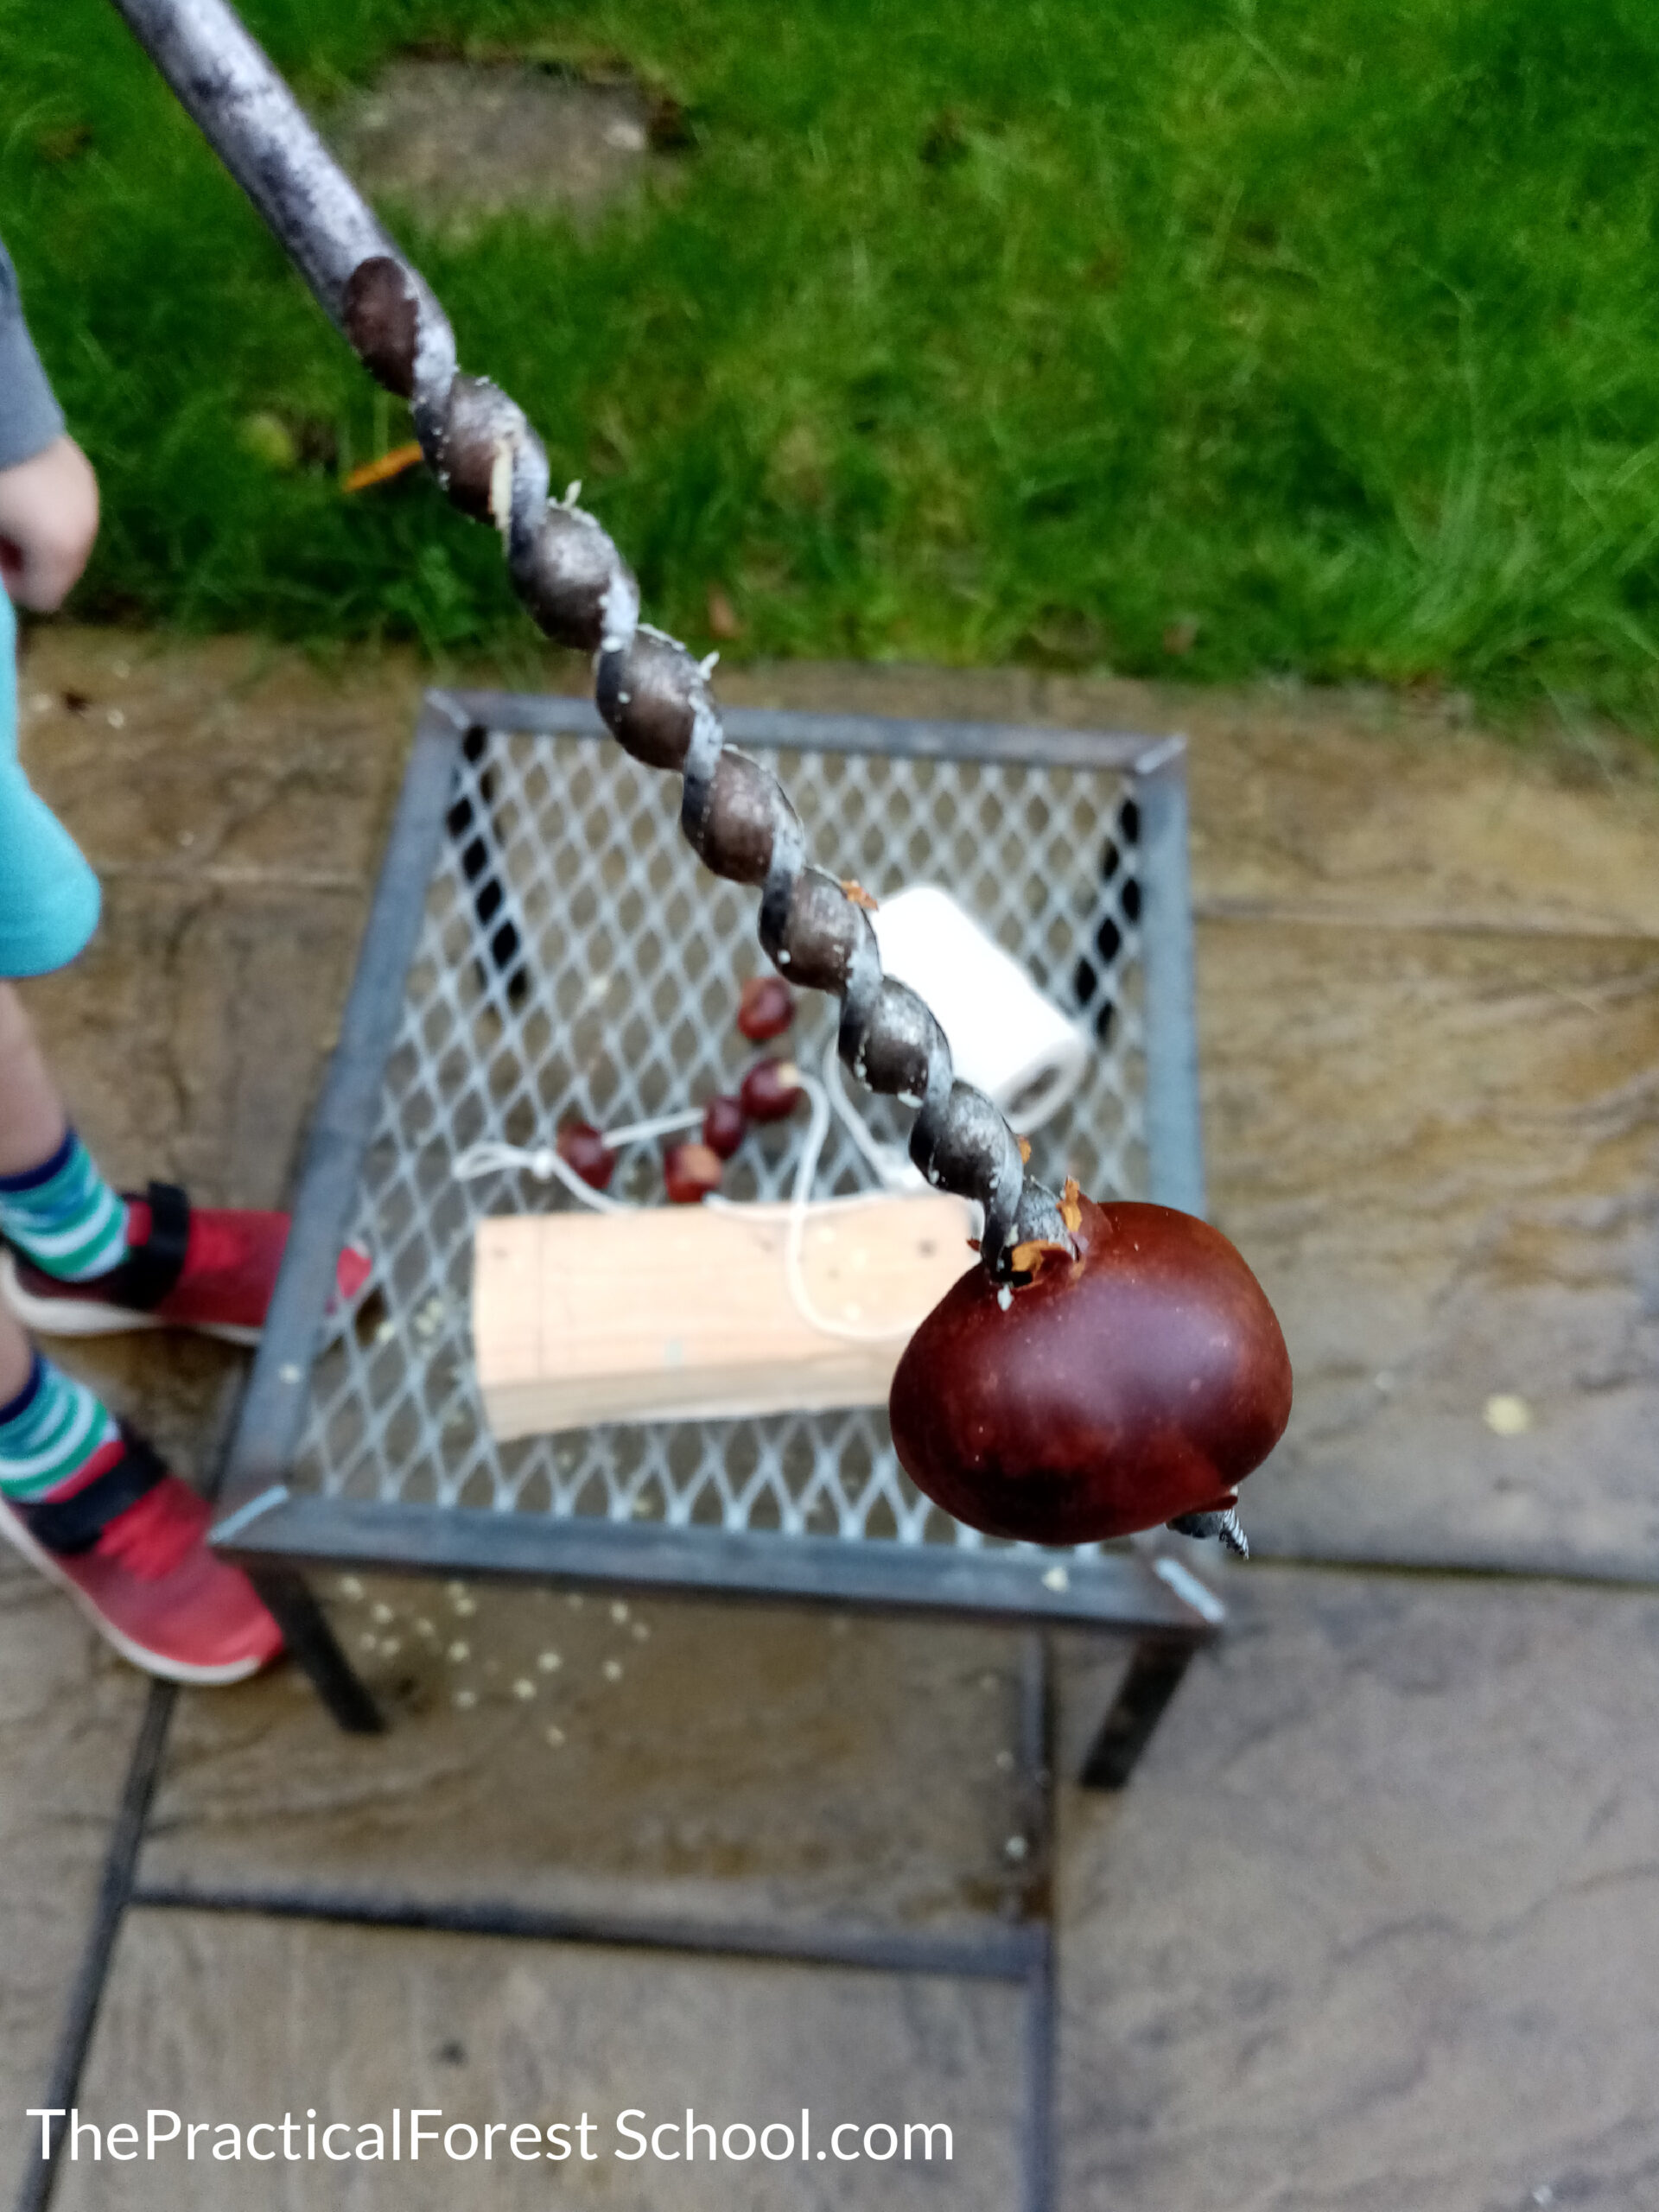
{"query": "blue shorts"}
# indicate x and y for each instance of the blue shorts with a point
(49, 896)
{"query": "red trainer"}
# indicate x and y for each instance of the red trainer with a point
(126, 1542)
(212, 1268)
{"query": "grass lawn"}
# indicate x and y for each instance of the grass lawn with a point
(1315, 336)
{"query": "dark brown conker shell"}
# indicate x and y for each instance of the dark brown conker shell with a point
(1141, 1381)
(724, 1124)
(689, 1173)
(766, 1008)
(581, 1147)
(770, 1090)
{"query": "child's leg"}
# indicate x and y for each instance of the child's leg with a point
(32, 1124)
(86, 1501)
(84, 1260)
(54, 1206)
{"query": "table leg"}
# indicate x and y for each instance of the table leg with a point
(314, 1647)
(1153, 1677)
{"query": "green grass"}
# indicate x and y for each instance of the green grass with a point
(1320, 335)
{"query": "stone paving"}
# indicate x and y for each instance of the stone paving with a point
(1375, 1924)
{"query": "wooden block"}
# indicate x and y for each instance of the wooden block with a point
(678, 1313)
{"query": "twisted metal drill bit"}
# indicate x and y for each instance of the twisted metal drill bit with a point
(653, 695)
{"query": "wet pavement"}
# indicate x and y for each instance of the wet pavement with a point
(1373, 1924)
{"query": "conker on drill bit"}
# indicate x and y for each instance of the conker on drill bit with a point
(1133, 1380)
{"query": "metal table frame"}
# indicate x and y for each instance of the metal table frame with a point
(1149, 1597)
(276, 1531)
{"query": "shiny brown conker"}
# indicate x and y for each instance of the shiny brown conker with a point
(766, 1008)
(724, 1124)
(1137, 1381)
(689, 1173)
(770, 1090)
(581, 1147)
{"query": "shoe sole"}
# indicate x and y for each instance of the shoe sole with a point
(95, 1317)
(149, 1662)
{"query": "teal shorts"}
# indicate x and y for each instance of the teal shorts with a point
(49, 896)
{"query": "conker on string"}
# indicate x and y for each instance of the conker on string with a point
(766, 1008)
(583, 1150)
(724, 1124)
(689, 1173)
(1137, 1381)
(770, 1090)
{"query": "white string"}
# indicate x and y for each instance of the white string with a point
(545, 1163)
(490, 1158)
(664, 1125)
(794, 1273)
(826, 1097)
(799, 1207)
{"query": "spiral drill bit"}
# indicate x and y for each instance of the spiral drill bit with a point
(653, 695)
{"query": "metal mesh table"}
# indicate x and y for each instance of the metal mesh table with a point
(543, 942)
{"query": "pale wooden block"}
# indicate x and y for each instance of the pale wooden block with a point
(678, 1313)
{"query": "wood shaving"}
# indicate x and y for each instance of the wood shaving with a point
(1071, 1205)
(380, 472)
(1024, 1144)
(857, 895)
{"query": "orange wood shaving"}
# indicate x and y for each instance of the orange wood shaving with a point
(1071, 1205)
(858, 896)
(1025, 1150)
(388, 465)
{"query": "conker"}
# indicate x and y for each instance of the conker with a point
(724, 1124)
(766, 1008)
(1139, 1381)
(581, 1148)
(770, 1090)
(689, 1173)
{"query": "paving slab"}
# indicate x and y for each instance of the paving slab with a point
(1440, 1152)
(715, 1762)
(349, 2023)
(1378, 1924)
(68, 1712)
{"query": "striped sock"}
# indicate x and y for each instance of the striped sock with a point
(49, 1431)
(64, 1216)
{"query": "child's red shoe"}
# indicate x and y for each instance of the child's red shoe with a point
(127, 1541)
(210, 1268)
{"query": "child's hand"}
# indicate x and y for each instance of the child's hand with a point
(49, 518)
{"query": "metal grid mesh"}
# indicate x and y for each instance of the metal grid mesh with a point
(576, 960)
